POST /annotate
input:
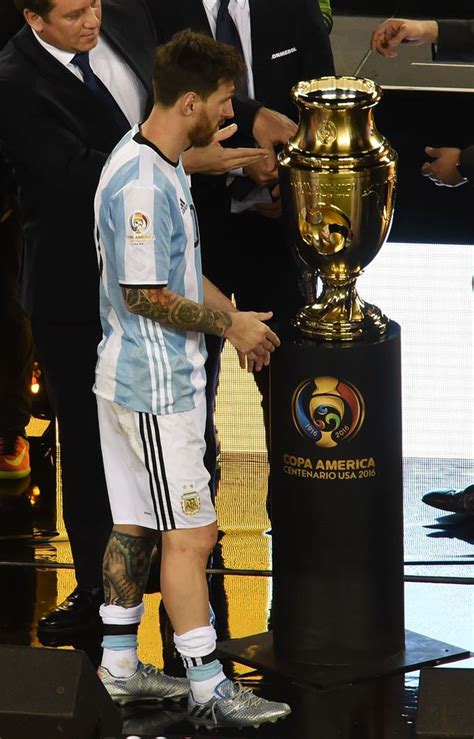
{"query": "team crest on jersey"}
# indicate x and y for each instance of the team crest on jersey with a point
(140, 223)
(190, 501)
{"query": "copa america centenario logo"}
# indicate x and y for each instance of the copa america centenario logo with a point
(139, 222)
(327, 410)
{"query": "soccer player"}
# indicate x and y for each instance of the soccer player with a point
(150, 384)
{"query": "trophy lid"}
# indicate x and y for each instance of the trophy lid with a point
(341, 92)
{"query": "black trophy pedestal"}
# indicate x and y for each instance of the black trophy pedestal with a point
(420, 651)
(337, 518)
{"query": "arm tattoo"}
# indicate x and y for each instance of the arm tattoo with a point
(174, 310)
(125, 570)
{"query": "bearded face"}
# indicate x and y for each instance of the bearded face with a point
(211, 114)
(204, 130)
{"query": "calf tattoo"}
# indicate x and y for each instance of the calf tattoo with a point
(126, 566)
(174, 310)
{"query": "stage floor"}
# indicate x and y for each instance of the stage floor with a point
(376, 708)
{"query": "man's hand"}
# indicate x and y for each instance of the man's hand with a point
(443, 170)
(253, 363)
(217, 160)
(261, 175)
(270, 128)
(248, 333)
(395, 31)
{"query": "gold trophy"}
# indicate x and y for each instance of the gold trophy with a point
(338, 177)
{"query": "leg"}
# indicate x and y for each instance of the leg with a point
(67, 353)
(126, 564)
(177, 486)
(214, 346)
(175, 492)
(16, 357)
(183, 576)
(267, 280)
(215, 230)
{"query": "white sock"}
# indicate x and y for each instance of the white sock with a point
(192, 646)
(120, 662)
(204, 690)
(120, 650)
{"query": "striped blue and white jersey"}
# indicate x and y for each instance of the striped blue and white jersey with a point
(147, 236)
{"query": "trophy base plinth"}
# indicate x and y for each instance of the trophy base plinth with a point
(336, 323)
(257, 651)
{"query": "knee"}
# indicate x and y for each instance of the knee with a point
(192, 542)
(207, 539)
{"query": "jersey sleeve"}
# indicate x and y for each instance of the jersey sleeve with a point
(141, 221)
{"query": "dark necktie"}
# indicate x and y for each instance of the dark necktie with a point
(97, 87)
(226, 30)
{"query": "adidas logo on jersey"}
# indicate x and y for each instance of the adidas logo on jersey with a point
(183, 205)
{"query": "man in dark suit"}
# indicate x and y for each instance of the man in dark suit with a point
(243, 249)
(16, 359)
(453, 41)
(57, 135)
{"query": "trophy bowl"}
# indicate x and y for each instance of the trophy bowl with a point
(338, 177)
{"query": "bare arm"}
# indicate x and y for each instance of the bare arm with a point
(246, 326)
(173, 310)
(246, 330)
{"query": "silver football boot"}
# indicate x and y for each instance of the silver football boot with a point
(147, 683)
(234, 705)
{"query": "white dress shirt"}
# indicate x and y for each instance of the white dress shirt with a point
(239, 11)
(113, 71)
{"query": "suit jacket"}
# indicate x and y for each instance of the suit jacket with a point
(456, 44)
(290, 43)
(57, 137)
(455, 41)
(11, 20)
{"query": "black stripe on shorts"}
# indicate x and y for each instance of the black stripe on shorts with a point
(155, 465)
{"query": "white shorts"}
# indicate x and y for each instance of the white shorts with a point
(154, 467)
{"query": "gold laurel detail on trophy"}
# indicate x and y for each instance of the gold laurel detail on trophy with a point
(327, 133)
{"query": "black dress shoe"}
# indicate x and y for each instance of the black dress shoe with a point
(79, 612)
(455, 501)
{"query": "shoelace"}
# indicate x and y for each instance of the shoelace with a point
(244, 696)
(151, 669)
